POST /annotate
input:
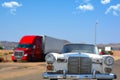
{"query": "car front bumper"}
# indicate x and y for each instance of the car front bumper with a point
(79, 76)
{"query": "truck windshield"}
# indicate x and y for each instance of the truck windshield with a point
(83, 48)
(25, 46)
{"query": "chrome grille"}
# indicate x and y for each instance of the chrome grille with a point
(79, 65)
(18, 54)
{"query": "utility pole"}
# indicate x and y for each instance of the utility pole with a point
(95, 32)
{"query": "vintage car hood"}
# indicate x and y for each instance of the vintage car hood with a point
(77, 54)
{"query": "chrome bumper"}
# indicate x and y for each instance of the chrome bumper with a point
(79, 76)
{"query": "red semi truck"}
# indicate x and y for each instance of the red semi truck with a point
(34, 48)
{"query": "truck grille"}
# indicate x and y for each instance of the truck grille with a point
(18, 54)
(79, 65)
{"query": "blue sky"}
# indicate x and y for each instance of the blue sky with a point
(73, 20)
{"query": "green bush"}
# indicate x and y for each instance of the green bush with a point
(5, 53)
(1, 48)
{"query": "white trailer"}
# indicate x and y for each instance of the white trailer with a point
(51, 44)
(108, 48)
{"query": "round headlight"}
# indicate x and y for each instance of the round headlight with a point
(109, 60)
(49, 58)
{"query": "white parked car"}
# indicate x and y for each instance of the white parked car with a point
(79, 61)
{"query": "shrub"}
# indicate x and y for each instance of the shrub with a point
(5, 53)
(1, 48)
(10, 52)
(1, 59)
(110, 52)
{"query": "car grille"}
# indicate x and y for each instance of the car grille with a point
(79, 65)
(18, 54)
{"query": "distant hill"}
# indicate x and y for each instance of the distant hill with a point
(114, 45)
(7, 45)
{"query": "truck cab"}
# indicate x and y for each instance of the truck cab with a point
(28, 49)
(79, 61)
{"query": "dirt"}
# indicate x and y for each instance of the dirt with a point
(21, 71)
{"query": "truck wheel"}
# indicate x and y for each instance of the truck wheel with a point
(14, 60)
(53, 79)
(30, 58)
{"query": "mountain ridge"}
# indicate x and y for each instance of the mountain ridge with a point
(8, 45)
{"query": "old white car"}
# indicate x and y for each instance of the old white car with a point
(79, 61)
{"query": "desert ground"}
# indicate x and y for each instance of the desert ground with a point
(34, 70)
(21, 71)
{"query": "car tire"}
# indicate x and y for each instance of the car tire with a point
(104, 79)
(53, 79)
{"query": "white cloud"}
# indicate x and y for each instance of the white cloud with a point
(87, 7)
(105, 1)
(13, 5)
(115, 9)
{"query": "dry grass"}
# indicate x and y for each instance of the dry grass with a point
(6, 55)
(116, 54)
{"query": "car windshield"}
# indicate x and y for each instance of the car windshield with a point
(83, 48)
(25, 46)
